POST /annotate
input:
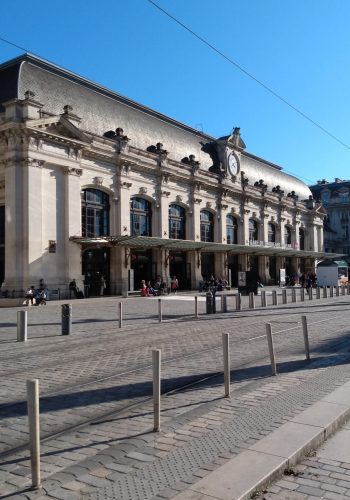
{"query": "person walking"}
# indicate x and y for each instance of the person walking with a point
(102, 285)
(174, 284)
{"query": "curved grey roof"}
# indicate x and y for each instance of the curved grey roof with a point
(101, 110)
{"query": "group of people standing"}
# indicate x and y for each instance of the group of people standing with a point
(37, 296)
(159, 287)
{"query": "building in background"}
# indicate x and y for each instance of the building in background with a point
(335, 197)
(95, 187)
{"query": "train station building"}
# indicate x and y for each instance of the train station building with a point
(94, 184)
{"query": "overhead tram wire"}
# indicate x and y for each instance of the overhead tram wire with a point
(249, 75)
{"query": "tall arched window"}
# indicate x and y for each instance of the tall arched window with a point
(231, 230)
(140, 217)
(301, 239)
(207, 226)
(287, 235)
(177, 222)
(95, 213)
(253, 230)
(271, 233)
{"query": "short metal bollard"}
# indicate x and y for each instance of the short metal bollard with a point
(343, 290)
(34, 430)
(66, 319)
(348, 289)
(274, 298)
(120, 307)
(238, 302)
(196, 306)
(302, 294)
(263, 298)
(223, 303)
(22, 326)
(226, 354)
(251, 300)
(337, 290)
(324, 292)
(271, 348)
(160, 311)
(284, 296)
(294, 295)
(318, 292)
(306, 337)
(331, 291)
(156, 367)
(310, 292)
(209, 303)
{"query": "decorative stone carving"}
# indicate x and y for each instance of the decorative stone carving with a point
(126, 185)
(165, 177)
(32, 162)
(121, 139)
(179, 198)
(208, 204)
(73, 171)
(98, 181)
(277, 189)
(165, 193)
(197, 200)
(192, 162)
(143, 190)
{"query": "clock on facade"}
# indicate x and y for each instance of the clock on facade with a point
(232, 163)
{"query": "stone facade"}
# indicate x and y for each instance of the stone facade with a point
(64, 140)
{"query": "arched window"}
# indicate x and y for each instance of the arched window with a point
(140, 217)
(231, 230)
(95, 213)
(271, 233)
(253, 230)
(177, 222)
(287, 235)
(207, 226)
(301, 239)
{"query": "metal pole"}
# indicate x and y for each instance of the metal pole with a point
(324, 292)
(302, 294)
(331, 291)
(120, 307)
(156, 359)
(21, 326)
(196, 306)
(160, 311)
(306, 337)
(318, 292)
(284, 296)
(271, 349)
(223, 303)
(66, 319)
(310, 290)
(337, 290)
(348, 288)
(34, 430)
(226, 352)
(251, 300)
(343, 290)
(274, 298)
(294, 295)
(238, 302)
(263, 298)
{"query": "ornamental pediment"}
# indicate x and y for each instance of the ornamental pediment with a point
(59, 129)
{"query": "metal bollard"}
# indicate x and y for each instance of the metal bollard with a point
(196, 306)
(331, 291)
(209, 302)
(274, 298)
(120, 314)
(310, 291)
(271, 349)
(238, 302)
(348, 289)
(284, 296)
(21, 326)
(66, 319)
(343, 290)
(263, 298)
(226, 354)
(294, 295)
(156, 360)
(306, 337)
(302, 294)
(160, 311)
(251, 300)
(34, 430)
(337, 290)
(223, 303)
(324, 292)
(318, 293)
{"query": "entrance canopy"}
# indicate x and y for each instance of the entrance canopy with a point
(149, 242)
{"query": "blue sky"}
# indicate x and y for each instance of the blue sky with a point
(299, 48)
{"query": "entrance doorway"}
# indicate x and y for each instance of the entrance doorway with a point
(96, 263)
(141, 263)
(232, 264)
(181, 269)
(207, 265)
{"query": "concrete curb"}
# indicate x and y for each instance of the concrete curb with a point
(253, 469)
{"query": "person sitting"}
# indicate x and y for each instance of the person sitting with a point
(144, 289)
(30, 294)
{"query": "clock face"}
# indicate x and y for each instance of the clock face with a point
(232, 164)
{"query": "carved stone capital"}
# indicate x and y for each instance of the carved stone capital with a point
(32, 162)
(73, 171)
(126, 185)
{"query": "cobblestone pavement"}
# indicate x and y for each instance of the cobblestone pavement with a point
(323, 474)
(100, 369)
